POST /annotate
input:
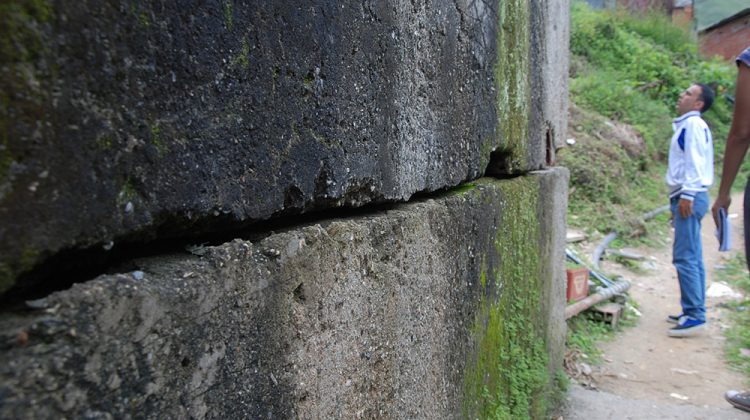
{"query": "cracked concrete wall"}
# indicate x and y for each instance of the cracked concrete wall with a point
(122, 122)
(378, 316)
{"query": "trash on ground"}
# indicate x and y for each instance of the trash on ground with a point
(721, 289)
(574, 236)
(684, 371)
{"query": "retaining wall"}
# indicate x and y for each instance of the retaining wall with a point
(127, 124)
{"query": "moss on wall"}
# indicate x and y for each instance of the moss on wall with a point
(19, 19)
(507, 376)
(512, 79)
(21, 43)
(28, 257)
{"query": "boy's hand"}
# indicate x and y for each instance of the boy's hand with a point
(685, 208)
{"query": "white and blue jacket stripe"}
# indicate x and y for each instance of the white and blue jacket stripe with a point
(691, 157)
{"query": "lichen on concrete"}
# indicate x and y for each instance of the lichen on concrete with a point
(21, 43)
(512, 80)
(505, 378)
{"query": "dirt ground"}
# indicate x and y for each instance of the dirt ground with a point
(650, 375)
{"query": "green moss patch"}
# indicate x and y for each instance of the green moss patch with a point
(10, 272)
(21, 44)
(507, 376)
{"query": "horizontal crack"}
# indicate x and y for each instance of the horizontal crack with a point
(71, 266)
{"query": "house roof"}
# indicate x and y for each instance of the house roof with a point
(710, 13)
(682, 3)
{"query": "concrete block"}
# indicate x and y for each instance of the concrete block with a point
(122, 123)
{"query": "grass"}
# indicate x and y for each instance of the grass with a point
(586, 334)
(738, 334)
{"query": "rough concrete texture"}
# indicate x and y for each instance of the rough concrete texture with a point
(374, 317)
(554, 74)
(125, 121)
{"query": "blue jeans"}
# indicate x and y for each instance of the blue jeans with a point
(687, 257)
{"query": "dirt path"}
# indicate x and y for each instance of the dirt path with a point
(650, 375)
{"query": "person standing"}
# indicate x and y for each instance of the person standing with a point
(737, 144)
(689, 174)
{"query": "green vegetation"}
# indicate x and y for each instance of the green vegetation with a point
(21, 45)
(127, 193)
(584, 335)
(507, 376)
(157, 140)
(229, 14)
(463, 188)
(629, 71)
(242, 59)
(21, 39)
(738, 334)
(25, 262)
(104, 142)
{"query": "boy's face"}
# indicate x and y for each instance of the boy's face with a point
(690, 100)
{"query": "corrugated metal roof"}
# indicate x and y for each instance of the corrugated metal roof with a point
(711, 12)
(682, 3)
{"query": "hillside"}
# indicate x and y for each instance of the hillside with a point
(626, 74)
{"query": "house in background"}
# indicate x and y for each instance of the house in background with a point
(682, 13)
(723, 26)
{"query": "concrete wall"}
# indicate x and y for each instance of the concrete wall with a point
(126, 122)
(440, 308)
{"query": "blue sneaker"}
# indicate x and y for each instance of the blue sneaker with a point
(674, 319)
(687, 327)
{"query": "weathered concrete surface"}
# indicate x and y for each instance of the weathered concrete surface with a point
(553, 100)
(124, 121)
(385, 316)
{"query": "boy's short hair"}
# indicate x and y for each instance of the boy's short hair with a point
(707, 96)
